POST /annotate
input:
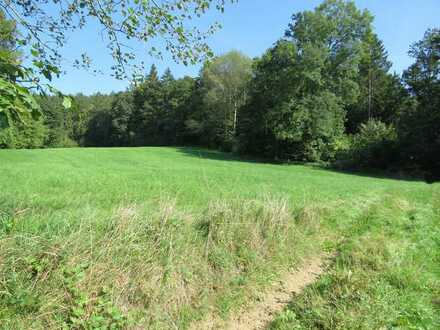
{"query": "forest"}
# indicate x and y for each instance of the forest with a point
(322, 93)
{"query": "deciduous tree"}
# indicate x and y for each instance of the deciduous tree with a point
(224, 82)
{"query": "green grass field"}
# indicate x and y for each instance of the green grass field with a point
(163, 237)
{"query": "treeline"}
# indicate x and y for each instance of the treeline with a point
(322, 93)
(158, 111)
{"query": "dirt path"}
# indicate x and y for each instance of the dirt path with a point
(276, 298)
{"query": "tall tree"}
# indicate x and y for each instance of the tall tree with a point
(303, 85)
(167, 77)
(121, 113)
(225, 85)
(381, 94)
(147, 111)
(153, 75)
(419, 127)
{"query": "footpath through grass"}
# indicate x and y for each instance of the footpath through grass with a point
(162, 237)
(385, 274)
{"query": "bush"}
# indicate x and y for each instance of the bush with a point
(29, 135)
(375, 146)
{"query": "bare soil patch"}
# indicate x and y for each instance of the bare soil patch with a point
(273, 301)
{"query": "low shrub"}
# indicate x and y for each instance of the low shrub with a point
(375, 146)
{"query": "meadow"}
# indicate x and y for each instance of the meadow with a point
(166, 237)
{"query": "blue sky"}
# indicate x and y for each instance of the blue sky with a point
(252, 26)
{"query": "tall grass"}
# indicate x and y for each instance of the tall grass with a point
(386, 274)
(159, 269)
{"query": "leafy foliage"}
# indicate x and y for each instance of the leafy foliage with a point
(381, 94)
(374, 146)
(224, 84)
(16, 102)
(169, 111)
(419, 127)
(20, 122)
(303, 84)
(45, 27)
(28, 135)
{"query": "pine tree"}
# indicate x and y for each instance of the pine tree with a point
(419, 128)
(153, 74)
(167, 77)
(381, 94)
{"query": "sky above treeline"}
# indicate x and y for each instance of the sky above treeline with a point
(252, 26)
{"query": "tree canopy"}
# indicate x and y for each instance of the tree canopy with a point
(224, 82)
(303, 84)
(41, 29)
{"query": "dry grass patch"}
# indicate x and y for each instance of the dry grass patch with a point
(157, 269)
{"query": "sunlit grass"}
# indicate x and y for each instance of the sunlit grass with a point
(161, 237)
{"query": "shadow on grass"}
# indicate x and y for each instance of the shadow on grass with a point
(210, 154)
(202, 153)
(376, 174)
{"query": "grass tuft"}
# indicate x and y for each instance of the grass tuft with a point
(166, 262)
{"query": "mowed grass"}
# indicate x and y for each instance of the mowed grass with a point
(101, 178)
(163, 237)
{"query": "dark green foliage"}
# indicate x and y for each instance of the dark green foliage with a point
(99, 130)
(304, 83)
(158, 111)
(55, 119)
(151, 113)
(116, 122)
(28, 135)
(419, 127)
(73, 126)
(169, 111)
(330, 76)
(374, 146)
(381, 94)
(179, 104)
(146, 119)
(269, 87)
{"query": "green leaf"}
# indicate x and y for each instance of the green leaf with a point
(67, 102)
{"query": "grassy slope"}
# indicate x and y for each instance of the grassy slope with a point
(385, 274)
(91, 236)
